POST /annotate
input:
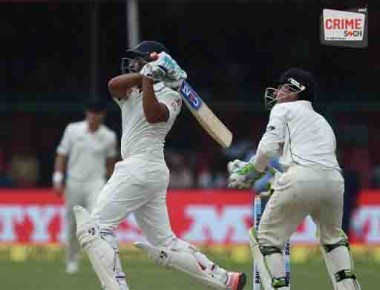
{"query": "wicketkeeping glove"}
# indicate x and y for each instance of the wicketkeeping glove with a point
(234, 165)
(244, 177)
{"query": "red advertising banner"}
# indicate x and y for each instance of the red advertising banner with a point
(198, 216)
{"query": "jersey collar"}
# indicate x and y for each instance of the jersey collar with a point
(305, 103)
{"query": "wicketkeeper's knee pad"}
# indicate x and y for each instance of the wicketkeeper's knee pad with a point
(274, 259)
(340, 265)
(270, 263)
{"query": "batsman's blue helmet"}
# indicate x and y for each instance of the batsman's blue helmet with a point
(145, 48)
(142, 52)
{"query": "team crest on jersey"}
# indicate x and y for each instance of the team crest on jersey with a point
(176, 105)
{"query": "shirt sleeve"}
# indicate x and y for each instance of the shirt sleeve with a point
(65, 144)
(111, 150)
(263, 183)
(274, 162)
(274, 135)
(173, 102)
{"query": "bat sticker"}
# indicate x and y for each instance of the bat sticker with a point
(191, 96)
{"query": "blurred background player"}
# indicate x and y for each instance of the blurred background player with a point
(312, 183)
(86, 155)
(139, 183)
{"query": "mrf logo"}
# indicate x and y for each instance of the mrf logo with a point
(344, 28)
(191, 96)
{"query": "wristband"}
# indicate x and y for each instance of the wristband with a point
(57, 177)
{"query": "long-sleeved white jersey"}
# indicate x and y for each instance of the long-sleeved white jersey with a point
(300, 136)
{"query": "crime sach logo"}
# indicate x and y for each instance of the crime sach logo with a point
(350, 27)
(343, 25)
(345, 28)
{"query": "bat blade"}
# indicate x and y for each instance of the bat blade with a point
(205, 116)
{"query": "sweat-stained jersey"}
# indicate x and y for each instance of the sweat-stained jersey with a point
(300, 136)
(140, 138)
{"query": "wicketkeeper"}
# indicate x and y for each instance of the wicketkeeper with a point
(312, 183)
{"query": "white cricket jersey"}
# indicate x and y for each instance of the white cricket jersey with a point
(87, 151)
(139, 137)
(300, 136)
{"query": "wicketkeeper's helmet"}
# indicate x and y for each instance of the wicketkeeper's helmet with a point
(296, 81)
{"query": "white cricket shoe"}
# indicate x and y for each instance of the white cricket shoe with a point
(72, 268)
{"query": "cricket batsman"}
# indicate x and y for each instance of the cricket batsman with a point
(311, 184)
(86, 155)
(149, 106)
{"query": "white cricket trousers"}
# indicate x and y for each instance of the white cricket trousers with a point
(84, 194)
(299, 192)
(138, 185)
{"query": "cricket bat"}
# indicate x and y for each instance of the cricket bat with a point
(206, 118)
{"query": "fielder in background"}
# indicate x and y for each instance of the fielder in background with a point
(86, 155)
(150, 104)
(312, 183)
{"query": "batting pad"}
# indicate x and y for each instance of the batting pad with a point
(183, 260)
(100, 253)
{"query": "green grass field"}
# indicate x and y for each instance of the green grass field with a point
(143, 274)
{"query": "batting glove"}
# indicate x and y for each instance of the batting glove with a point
(153, 71)
(244, 177)
(170, 66)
